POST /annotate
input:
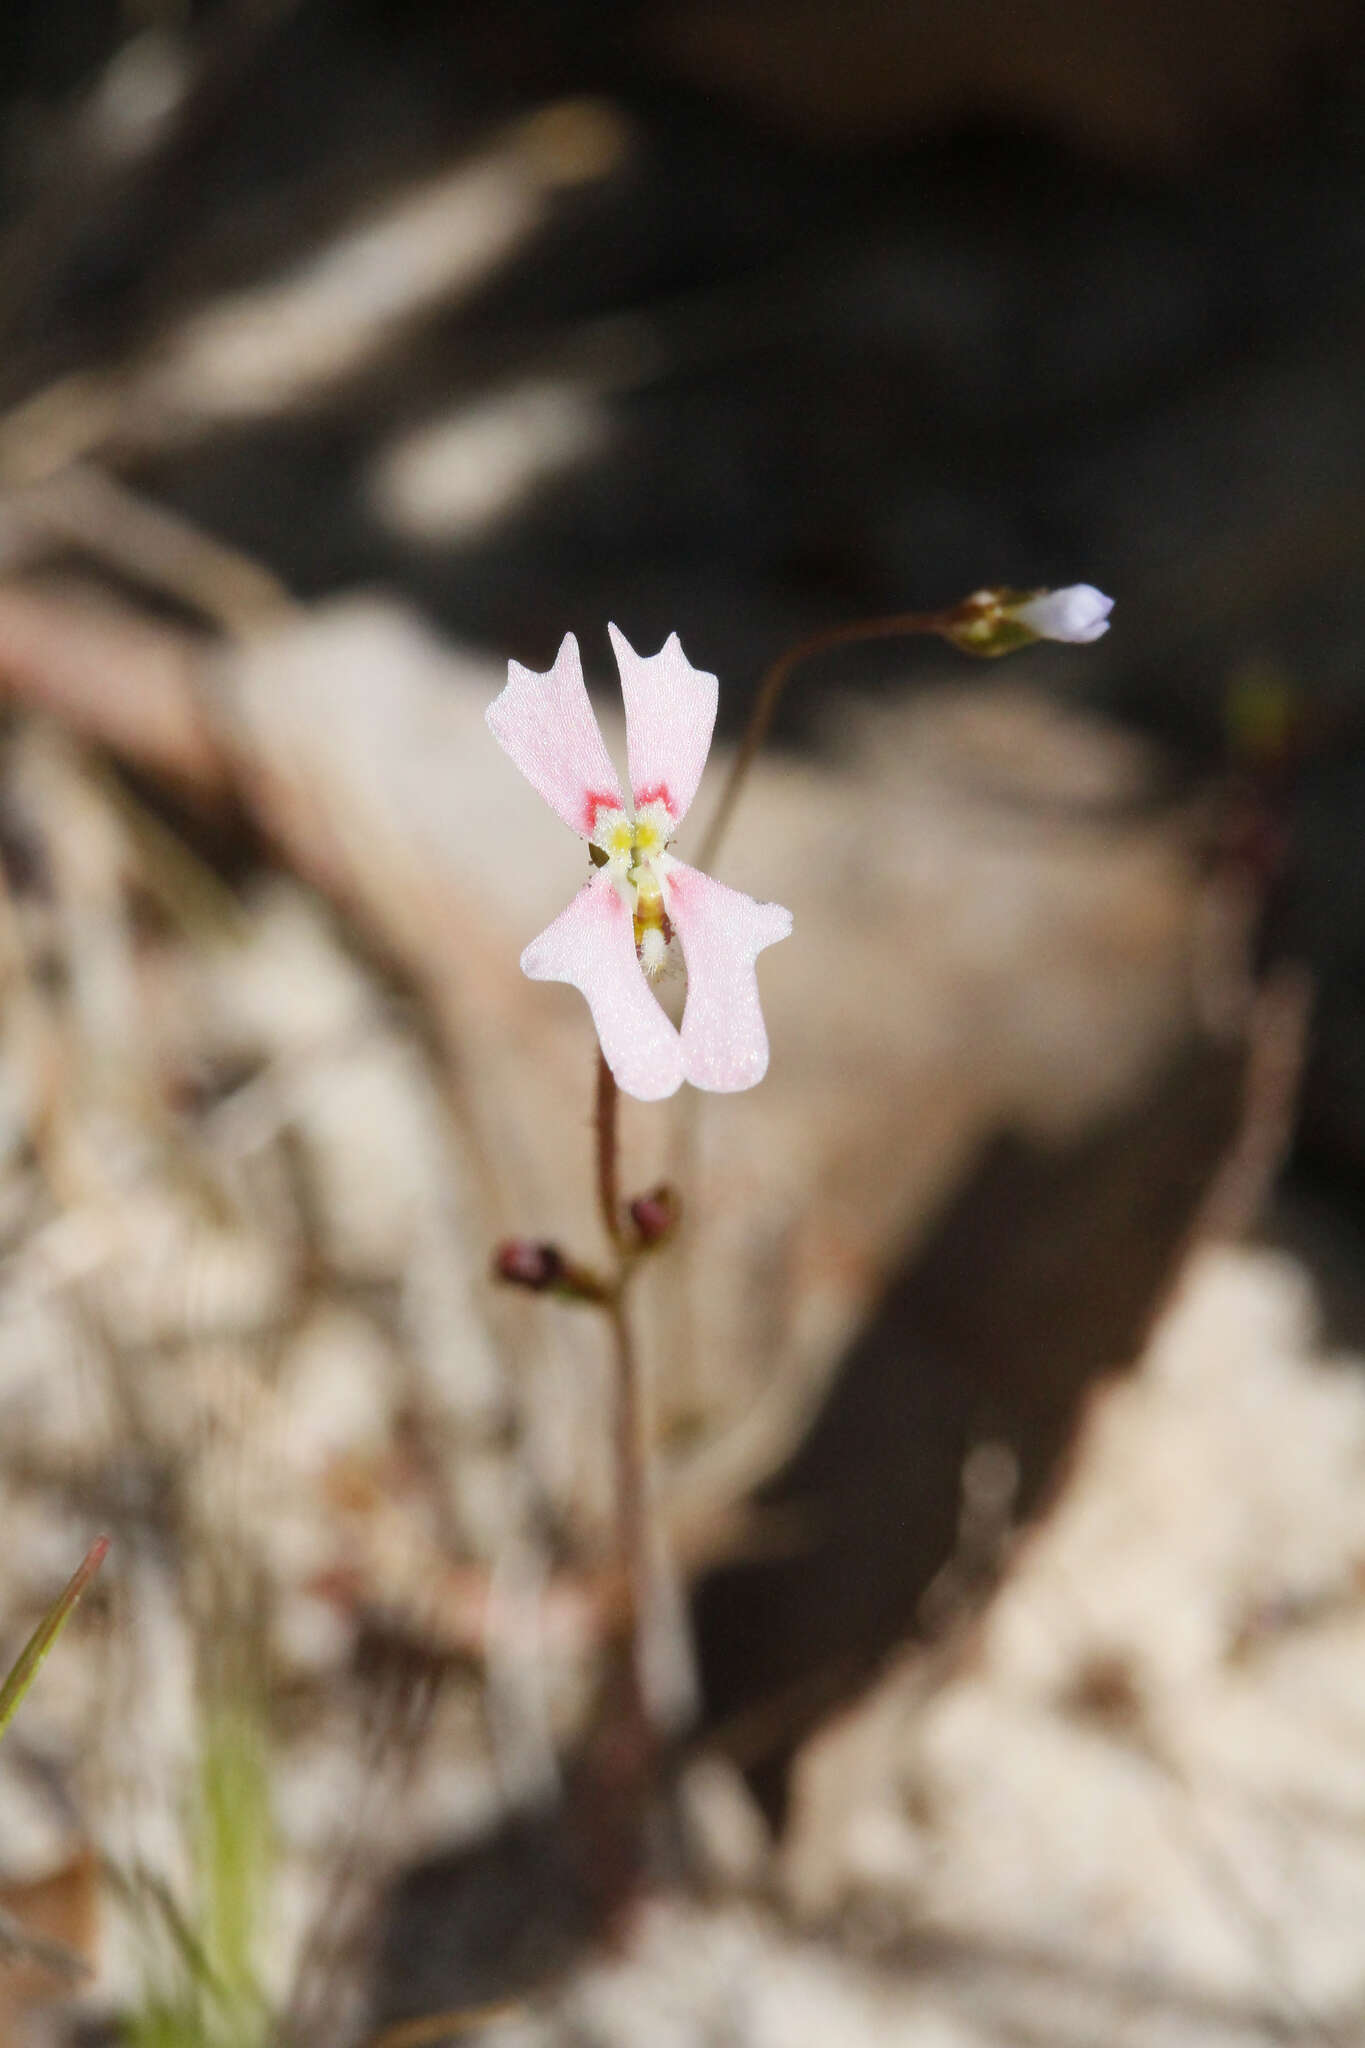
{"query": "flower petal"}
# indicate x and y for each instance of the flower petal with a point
(724, 1044)
(545, 724)
(591, 945)
(1079, 614)
(670, 714)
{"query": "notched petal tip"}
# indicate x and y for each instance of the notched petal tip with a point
(670, 717)
(544, 723)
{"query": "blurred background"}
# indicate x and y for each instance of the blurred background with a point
(1007, 1416)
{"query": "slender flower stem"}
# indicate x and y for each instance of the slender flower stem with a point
(770, 694)
(608, 1189)
(632, 1528)
(632, 1532)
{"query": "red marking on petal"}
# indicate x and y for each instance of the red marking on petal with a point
(596, 801)
(656, 793)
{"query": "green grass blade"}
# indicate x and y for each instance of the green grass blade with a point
(30, 1658)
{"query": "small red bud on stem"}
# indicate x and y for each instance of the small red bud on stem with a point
(655, 1215)
(521, 1262)
(543, 1269)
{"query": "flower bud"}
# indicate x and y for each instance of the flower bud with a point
(993, 622)
(521, 1262)
(543, 1269)
(655, 1215)
(1077, 614)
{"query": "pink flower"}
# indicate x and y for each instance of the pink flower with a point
(624, 927)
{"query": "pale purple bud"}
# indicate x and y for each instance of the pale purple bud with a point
(1078, 614)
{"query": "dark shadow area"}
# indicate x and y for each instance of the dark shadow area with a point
(1043, 1272)
(1322, 1228)
(485, 1923)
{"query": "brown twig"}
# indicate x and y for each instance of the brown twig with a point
(83, 508)
(114, 678)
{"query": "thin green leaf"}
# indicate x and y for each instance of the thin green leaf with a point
(31, 1657)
